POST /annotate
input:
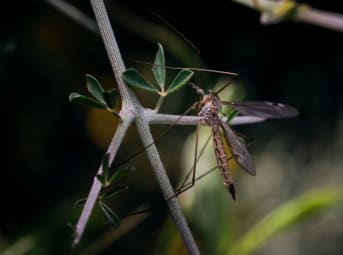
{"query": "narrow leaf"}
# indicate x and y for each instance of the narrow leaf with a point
(110, 215)
(135, 79)
(105, 164)
(81, 99)
(110, 97)
(80, 202)
(114, 191)
(120, 173)
(117, 115)
(181, 79)
(94, 87)
(101, 179)
(285, 216)
(159, 67)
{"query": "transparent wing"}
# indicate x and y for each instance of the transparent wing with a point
(263, 109)
(238, 150)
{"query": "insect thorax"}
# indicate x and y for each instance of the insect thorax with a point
(210, 107)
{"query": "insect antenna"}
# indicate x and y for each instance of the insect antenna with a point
(168, 24)
(185, 68)
(198, 54)
(234, 75)
(192, 45)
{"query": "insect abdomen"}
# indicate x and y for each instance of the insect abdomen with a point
(221, 157)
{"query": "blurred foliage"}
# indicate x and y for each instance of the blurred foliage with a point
(54, 148)
(288, 214)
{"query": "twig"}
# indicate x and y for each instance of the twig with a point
(272, 12)
(132, 111)
(74, 13)
(171, 119)
(96, 186)
(322, 18)
(276, 11)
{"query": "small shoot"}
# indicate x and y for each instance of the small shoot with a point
(113, 192)
(102, 99)
(119, 173)
(80, 202)
(112, 217)
(105, 164)
(135, 79)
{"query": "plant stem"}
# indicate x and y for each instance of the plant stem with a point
(131, 109)
(96, 187)
(159, 104)
(322, 18)
(275, 11)
(74, 13)
(171, 119)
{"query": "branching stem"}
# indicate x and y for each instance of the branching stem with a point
(132, 111)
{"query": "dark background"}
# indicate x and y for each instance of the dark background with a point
(52, 148)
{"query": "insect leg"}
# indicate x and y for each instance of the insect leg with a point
(184, 185)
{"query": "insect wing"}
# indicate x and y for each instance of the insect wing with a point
(238, 150)
(263, 109)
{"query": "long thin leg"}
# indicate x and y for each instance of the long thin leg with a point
(183, 187)
(204, 174)
(195, 152)
(187, 186)
(190, 171)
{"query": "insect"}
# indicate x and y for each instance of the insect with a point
(210, 108)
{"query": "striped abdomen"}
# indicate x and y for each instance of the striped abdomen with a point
(221, 157)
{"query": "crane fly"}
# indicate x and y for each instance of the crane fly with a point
(210, 108)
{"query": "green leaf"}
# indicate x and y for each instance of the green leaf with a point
(120, 173)
(181, 79)
(80, 202)
(110, 97)
(105, 164)
(110, 215)
(159, 67)
(114, 191)
(285, 216)
(102, 179)
(81, 99)
(94, 87)
(135, 79)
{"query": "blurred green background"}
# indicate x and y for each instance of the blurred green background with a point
(53, 148)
